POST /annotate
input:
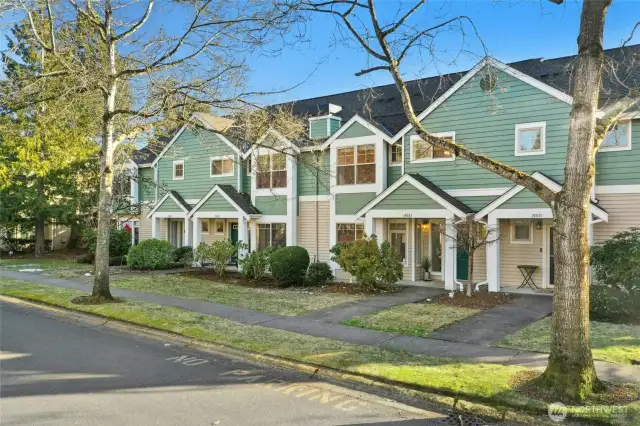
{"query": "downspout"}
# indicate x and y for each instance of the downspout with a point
(317, 208)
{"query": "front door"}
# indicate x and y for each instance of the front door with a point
(462, 266)
(552, 258)
(233, 235)
(175, 233)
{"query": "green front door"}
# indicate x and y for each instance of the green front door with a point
(233, 235)
(462, 266)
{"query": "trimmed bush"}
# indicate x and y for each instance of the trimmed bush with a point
(319, 273)
(183, 255)
(616, 262)
(119, 241)
(289, 265)
(151, 254)
(256, 264)
(372, 267)
(614, 305)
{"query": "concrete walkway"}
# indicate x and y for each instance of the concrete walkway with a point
(319, 328)
(490, 326)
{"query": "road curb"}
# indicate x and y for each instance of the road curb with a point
(316, 371)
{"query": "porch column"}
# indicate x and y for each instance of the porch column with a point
(450, 254)
(196, 227)
(243, 236)
(155, 227)
(188, 231)
(493, 255)
(254, 235)
(370, 227)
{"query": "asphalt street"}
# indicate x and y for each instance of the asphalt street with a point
(60, 370)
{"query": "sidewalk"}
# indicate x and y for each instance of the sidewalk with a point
(316, 325)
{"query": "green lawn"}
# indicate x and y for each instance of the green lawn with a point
(45, 264)
(276, 301)
(610, 342)
(486, 383)
(414, 319)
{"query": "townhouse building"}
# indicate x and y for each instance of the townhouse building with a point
(363, 171)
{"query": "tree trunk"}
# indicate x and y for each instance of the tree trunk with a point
(571, 371)
(101, 289)
(40, 219)
(74, 235)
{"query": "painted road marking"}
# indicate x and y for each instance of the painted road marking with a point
(321, 396)
(187, 360)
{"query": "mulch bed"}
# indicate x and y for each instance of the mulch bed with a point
(268, 283)
(527, 383)
(479, 300)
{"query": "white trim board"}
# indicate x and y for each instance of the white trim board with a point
(213, 190)
(617, 189)
(475, 70)
(345, 126)
(278, 136)
(161, 201)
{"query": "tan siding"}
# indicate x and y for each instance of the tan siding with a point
(512, 255)
(163, 229)
(145, 225)
(480, 265)
(624, 213)
(212, 236)
(313, 229)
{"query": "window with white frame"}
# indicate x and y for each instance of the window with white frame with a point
(204, 226)
(398, 238)
(618, 138)
(271, 171)
(395, 154)
(221, 166)
(219, 227)
(346, 232)
(356, 165)
(271, 235)
(178, 170)
(521, 232)
(530, 138)
(423, 151)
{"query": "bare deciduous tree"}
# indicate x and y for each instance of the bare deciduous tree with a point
(388, 40)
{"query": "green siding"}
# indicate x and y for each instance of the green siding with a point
(524, 199)
(620, 167)
(334, 125)
(246, 183)
(146, 187)
(169, 206)
(486, 124)
(351, 203)
(355, 130)
(393, 174)
(216, 203)
(478, 203)
(318, 128)
(405, 197)
(313, 167)
(195, 148)
(272, 204)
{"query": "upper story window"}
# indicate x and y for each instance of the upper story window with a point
(395, 155)
(530, 138)
(618, 138)
(521, 232)
(271, 171)
(247, 166)
(423, 151)
(221, 166)
(178, 170)
(356, 165)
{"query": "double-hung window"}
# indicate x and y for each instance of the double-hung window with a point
(395, 154)
(221, 166)
(530, 139)
(271, 171)
(618, 138)
(178, 170)
(356, 165)
(423, 151)
(347, 232)
(272, 235)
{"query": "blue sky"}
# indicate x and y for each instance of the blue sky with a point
(511, 30)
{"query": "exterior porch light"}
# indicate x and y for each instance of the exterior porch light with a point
(539, 225)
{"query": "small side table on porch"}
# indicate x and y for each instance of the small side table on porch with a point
(527, 272)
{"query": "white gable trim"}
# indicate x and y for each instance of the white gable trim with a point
(345, 126)
(166, 148)
(475, 70)
(549, 183)
(213, 190)
(278, 136)
(162, 200)
(408, 179)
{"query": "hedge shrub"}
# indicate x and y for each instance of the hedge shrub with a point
(217, 254)
(256, 264)
(119, 241)
(151, 254)
(319, 273)
(289, 265)
(616, 262)
(183, 255)
(373, 267)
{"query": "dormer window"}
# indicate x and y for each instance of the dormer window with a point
(395, 155)
(356, 165)
(271, 171)
(618, 138)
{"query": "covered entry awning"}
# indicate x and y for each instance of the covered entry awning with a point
(225, 201)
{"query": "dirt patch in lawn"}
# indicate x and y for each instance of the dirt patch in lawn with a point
(479, 300)
(528, 383)
(71, 254)
(268, 283)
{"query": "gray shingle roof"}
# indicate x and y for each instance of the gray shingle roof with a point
(240, 198)
(435, 188)
(181, 200)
